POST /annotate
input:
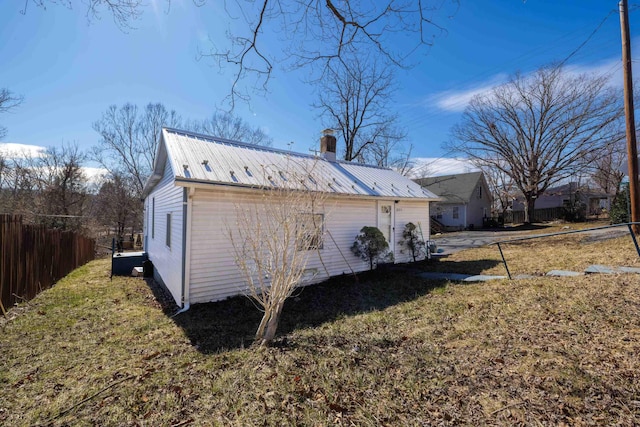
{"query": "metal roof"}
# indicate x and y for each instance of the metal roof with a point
(205, 159)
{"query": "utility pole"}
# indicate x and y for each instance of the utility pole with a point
(632, 148)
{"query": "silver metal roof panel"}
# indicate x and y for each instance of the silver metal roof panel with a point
(202, 158)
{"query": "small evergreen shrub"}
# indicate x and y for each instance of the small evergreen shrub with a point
(620, 207)
(371, 246)
(412, 240)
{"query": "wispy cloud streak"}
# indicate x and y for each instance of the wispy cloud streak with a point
(455, 101)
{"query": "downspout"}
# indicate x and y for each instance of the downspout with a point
(186, 241)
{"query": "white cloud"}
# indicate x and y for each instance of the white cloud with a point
(436, 166)
(15, 150)
(95, 175)
(455, 101)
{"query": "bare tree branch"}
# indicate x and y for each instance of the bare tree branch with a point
(123, 12)
(354, 99)
(321, 34)
(128, 140)
(274, 235)
(8, 101)
(226, 125)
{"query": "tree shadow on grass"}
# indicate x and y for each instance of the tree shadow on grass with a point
(231, 324)
(523, 227)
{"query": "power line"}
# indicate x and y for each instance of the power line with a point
(416, 121)
(593, 33)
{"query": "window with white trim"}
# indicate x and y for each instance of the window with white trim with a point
(310, 228)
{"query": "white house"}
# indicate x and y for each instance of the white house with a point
(465, 199)
(199, 182)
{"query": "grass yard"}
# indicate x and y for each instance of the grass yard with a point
(392, 349)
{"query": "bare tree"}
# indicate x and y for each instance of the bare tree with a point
(389, 152)
(500, 184)
(226, 125)
(321, 34)
(19, 187)
(354, 99)
(128, 140)
(116, 206)
(539, 129)
(607, 168)
(8, 101)
(62, 200)
(273, 239)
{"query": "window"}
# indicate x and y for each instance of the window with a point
(168, 240)
(310, 231)
(153, 218)
(438, 213)
(480, 192)
(456, 212)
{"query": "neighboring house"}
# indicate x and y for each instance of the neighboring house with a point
(199, 183)
(465, 199)
(591, 201)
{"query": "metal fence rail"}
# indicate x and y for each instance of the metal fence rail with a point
(629, 225)
(33, 258)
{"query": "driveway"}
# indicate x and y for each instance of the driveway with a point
(449, 243)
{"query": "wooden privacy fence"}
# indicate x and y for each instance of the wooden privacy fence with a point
(539, 215)
(33, 258)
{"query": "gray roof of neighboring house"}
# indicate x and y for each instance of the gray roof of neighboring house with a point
(232, 163)
(452, 188)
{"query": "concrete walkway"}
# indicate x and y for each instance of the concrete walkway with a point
(592, 269)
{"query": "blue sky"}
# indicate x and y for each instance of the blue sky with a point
(69, 71)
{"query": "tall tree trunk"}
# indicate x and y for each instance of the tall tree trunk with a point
(529, 208)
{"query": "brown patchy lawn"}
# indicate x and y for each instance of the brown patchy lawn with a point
(391, 350)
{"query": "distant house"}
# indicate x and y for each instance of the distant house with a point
(465, 199)
(199, 182)
(571, 195)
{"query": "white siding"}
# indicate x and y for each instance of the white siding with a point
(479, 205)
(213, 272)
(343, 220)
(417, 213)
(167, 261)
(446, 210)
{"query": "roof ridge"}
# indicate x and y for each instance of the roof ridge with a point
(219, 140)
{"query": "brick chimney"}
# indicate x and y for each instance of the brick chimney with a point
(328, 145)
